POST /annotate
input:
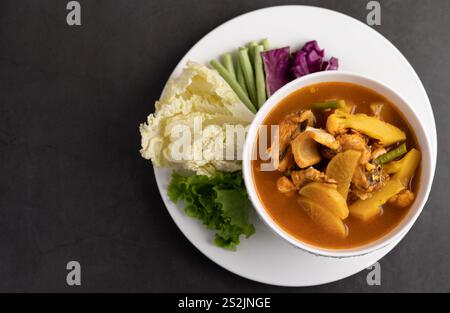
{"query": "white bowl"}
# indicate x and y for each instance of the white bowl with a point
(409, 113)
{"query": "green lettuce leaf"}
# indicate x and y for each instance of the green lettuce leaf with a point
(219, 201)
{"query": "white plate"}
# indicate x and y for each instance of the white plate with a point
(264, 257)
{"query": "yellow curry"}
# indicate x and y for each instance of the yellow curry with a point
(347, 166)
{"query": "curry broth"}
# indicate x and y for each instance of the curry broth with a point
(285, 210)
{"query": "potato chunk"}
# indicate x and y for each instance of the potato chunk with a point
(386, 134)
(323, 217)
(328, 197)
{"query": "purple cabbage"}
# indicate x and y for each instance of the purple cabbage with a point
(331, 65)
(276, 66)
(280, 67)
(299, 65)
(309, 59)
(314, 56)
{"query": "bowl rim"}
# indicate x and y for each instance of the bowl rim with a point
(412, 118)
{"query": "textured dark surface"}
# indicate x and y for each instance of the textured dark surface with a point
(72, 183)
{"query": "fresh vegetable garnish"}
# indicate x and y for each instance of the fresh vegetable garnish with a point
(248, 73)
(227, 61)
(257, 66)
(240, 78)
(276, 67)
(265, 44)
(260, 81)
(308, 60)
(198, 96)
(251, 50)
(219, 201)
(247, 69)
(281, 68)
(331, 65)
(299, 66)
(233, 84)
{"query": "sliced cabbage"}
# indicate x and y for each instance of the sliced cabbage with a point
(281, 68)
(310, 59)
(198, 94)
(276, 66)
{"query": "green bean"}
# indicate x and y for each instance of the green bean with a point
(333, 104)
(260, 81)
(251, 50)
(265, 43)
(227, 61)
(391, 155)
(249, 75)
(233, 84)
(240, 77)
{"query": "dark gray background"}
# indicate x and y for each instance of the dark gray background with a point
(72, 183)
